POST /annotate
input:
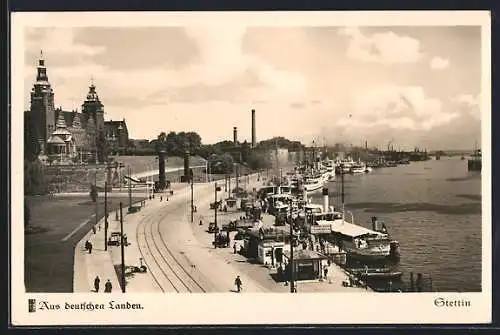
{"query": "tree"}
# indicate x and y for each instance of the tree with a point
(102, 147)
(160, 144)
(91, 138)
(221, 164)
(27, 214)
(31, 147)
(34, 178)
(193, 142)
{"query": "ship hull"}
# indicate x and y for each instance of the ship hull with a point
(474, 165)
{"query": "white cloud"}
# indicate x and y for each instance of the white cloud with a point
(438, 63)
(467, 99)
(61, 41)
(221, 60)
(396, 107)
(381, 47)
(468, 103)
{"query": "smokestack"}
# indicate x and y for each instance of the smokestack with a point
(253, 129)
(325, 200)
(235, 135)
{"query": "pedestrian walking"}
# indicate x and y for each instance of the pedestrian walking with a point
(93, 229)
(325, 271)
(161, 198)
(108, 287)
(99, 227)
(234, 247)
(87, 245)
(238, 283)
(201, 223)
(96, 283)
(90, 247)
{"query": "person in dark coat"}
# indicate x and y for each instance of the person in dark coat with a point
(96, 283)
(238, 283)
(90, 247)
(108, 286)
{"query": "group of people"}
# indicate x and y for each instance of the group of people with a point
(108, 287)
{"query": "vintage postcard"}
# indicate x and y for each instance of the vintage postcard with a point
(251, 167)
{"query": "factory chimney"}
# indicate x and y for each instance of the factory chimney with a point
(235, 135)
(253, 129)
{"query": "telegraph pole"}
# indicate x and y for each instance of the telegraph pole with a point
(192, 194)
(129, 188)
(292, 266)
(342, 190)
(97, 197)
(215, 220)
(122, 249)
(105, 216)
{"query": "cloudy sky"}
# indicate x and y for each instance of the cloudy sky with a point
(415, 86)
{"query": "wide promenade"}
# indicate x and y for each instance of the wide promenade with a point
(179, 254)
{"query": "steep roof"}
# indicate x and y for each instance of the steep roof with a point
(68, 115)
(55, 140)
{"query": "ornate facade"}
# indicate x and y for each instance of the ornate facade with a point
(69, 133)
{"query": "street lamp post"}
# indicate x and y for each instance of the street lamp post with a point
(192, 194)
(129, 188)
(342, 190)
(292, 265)
(122, 249)
(97, 198)
(105, 216)
(215, 220)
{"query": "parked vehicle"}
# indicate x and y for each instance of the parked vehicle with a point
(212, 228)
(221, 240)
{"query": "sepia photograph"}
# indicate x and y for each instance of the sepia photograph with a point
(250, 160)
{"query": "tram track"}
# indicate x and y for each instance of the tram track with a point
(167, 271)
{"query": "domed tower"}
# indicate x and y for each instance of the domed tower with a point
(42, 112)
(93, 106)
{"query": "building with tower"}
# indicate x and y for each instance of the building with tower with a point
(42, 116)
(69, 134)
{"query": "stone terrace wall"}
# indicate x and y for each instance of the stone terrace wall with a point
(73, 178)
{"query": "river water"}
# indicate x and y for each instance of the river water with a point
(433, 208)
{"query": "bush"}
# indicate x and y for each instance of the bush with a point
(35, 182)
(27, 214)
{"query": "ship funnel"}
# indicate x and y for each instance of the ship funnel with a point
(374, 223)
(325, 199)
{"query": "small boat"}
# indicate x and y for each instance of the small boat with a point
(314, 183)
(386, 274)
(358, 168)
